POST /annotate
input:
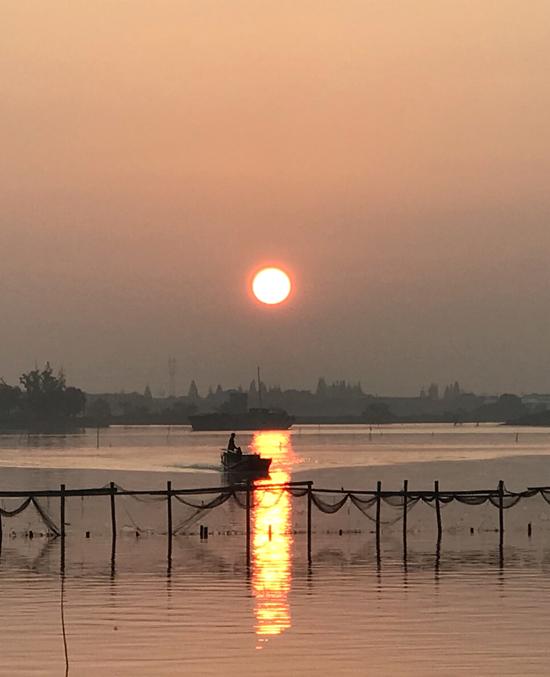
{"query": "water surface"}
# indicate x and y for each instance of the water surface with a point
(461, 608)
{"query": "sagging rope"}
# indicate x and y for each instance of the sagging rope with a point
(362, 505)
(20, 509)
(258, 499)
(48, 521)
(140, 497)
(44, 515)
(199, 509)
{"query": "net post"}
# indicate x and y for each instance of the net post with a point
(501, 518)
(112, 494)
(378, 506)
(309, 501)
(405, 505)
(169, 517)
(62, 509)
(62, 520)
(248, 524)
(437, 509)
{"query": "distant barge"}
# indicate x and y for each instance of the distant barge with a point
(254, 419)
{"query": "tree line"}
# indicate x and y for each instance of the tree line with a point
(42, 401)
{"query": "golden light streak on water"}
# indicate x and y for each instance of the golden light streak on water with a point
(272, 539)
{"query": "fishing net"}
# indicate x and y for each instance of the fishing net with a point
(366, 505)
(27, 515)
(328, 507)
(198, 509)
(147, 512)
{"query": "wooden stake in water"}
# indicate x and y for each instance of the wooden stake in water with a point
(112, 493)
(248, 524)
(309, 500)
(62, 510)
(169, 516)
(405, 506)
(97, 438)
(501, 516)
(378, 506)
(437, 509)
(62, 520)
(113, 510)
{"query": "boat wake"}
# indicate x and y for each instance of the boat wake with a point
(209, 467)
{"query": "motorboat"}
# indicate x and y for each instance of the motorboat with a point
(253, 464)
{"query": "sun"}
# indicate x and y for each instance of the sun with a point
(271, 286)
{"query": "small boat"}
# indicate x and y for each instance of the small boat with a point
(253, 464)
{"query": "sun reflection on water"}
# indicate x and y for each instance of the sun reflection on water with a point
(272, 538)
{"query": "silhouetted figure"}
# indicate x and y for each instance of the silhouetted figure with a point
(231, 446)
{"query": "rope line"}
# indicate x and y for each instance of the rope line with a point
(45, 517)
(13, 513)
(265, 497)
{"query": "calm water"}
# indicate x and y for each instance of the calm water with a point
(457, 611)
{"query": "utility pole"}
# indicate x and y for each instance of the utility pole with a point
(172, 366)
(259, 388)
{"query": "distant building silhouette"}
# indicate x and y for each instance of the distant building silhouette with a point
(172, 367)
(193, 393)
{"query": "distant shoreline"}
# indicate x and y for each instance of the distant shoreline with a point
(541, 419)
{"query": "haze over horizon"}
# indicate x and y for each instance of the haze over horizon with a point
(393, 156)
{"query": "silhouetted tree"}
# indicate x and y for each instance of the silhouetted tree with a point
(433, 391)
(378, 412)
(321, 387)
(10, 397)
(252, 394)
(510, 406)
(507, 408)
(193, 393)
(99, 410)
(46, 396)
(43, 392)
(74, 401)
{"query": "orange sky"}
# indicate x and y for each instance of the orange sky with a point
(395, 154)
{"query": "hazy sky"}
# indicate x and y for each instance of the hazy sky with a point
(395, 155)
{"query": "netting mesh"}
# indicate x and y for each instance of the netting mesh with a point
(326, 506)
(16, 511)
(144, 511)
(8, 512)
(199, 510)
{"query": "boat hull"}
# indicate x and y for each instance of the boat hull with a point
(246, 464)
(247, 421)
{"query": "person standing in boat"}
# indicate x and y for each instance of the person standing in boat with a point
(231, 446)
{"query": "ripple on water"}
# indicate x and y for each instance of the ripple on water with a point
(341, 616)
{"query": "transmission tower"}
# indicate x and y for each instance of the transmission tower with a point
(172, 367)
